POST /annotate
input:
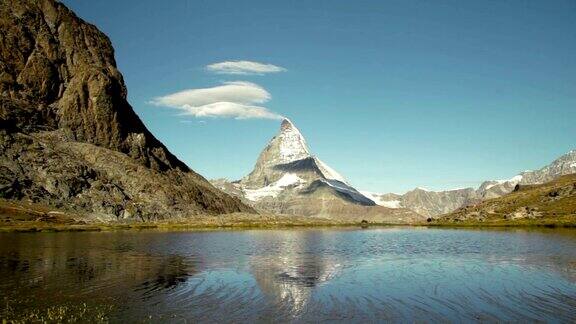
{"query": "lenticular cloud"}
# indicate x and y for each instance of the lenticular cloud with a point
(239, 100)
(243, 67)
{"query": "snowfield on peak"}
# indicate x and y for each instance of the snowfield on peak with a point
(293, 146)
(287, 157)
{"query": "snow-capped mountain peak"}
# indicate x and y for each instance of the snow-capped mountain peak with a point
(288, 179)
(287, 153)
(292, 145)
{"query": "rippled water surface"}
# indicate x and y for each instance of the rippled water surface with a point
(395, 274)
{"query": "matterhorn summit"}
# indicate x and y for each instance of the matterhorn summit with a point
(291, 144)
(288, 179)
(286, 154)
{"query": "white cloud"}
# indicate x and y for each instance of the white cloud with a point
(231, 110)
(238, 91)
(243, 67)
(238, 100)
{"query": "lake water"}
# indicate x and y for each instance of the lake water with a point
(384, 274)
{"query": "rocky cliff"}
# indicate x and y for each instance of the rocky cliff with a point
(68, 136)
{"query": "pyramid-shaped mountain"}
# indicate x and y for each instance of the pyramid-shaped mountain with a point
(288, 179)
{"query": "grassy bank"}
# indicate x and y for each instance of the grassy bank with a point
(31, 227)
(29, 218)
(549, 223)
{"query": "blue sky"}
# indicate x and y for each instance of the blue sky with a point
(392, 94)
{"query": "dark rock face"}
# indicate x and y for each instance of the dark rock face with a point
(61, 100)
(58, 72)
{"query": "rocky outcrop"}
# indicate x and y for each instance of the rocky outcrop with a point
(58, 72)
(69, 137)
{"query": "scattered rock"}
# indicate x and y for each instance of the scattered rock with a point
(524, 212)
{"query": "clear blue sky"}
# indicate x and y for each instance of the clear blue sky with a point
(392, 94)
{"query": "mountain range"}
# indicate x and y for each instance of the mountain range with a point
(548, 203)
(288, 179)
(434, 203)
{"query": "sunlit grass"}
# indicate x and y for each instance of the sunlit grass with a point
(22, 312)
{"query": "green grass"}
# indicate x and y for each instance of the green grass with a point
(12, 311)
(550, 223)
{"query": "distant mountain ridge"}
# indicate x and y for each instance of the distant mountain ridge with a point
(551, 201)
(288, 179)
(433, 203)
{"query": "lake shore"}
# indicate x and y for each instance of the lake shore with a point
(549, 223)
(29, 217)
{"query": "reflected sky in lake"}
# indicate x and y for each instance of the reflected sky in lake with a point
(394, 274)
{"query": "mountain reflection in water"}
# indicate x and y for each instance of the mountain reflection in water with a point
(395, 274)
(287, 276)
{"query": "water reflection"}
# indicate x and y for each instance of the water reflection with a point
(396, 274)
(288, 275)
(62, 266)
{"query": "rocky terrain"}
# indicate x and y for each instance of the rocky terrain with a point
(288, 179)
(68, 136)
(553, 201)
(434, 203)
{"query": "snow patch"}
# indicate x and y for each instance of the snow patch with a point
(573, 165)
(377, 198)
(512, 181)
(391, 204)
(458, 189)
(274, 189)
(288, 179)
(516, 179)
(342, 187)
(328, 172)
(491, 185)
(337, 184)
(293, 146)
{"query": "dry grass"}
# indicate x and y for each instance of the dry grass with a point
(554, 204)
(29, 217)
